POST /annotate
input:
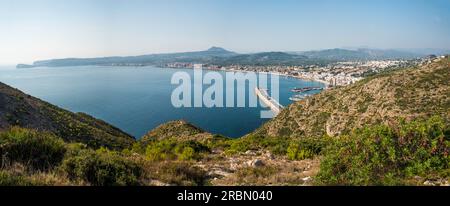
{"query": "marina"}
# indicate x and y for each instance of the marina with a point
(307, 89)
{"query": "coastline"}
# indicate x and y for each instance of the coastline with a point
(326, 84)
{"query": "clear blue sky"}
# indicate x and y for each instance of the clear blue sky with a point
(42, 29)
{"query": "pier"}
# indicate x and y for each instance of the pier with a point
(268, 101)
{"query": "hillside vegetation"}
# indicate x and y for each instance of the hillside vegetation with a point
(175, 129)
(412, 153)
(408, 93)
(19, 109)
(390, 129)
(404, 154)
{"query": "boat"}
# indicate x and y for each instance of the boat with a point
(295, 99)
(306, 89)
(299, 97)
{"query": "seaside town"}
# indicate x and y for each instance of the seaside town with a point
(332, 75)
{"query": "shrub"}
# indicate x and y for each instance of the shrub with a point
(138, 148)
(248, 173)
(36, 150)
(161, 150)
(186, 174)
(74, 149)
(172, 149)
(102, 168)
(49, 179)
(177, 173)
(187, 154)
(381, 155)
(294, 152)
(258, 176)
(305, 148)
(8, 179)
(219, 142)
(294, 149)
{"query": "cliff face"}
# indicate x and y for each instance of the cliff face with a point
(409, 93)
(19, 109)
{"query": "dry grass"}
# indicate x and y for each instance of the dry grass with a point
(20, 175)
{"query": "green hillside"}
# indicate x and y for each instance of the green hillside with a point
(390, 129)
(409, 94)
(177, 129)
(19, 109)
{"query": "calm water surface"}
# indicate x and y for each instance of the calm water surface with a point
(135, 99)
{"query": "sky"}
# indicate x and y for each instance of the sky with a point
(46, 29)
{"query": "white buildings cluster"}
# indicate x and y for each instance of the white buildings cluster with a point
(329, 78)
(334, 74)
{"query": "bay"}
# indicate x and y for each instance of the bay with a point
(136, 99)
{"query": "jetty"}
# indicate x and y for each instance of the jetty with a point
(268, 101)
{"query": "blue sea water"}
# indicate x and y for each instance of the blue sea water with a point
(136, 99)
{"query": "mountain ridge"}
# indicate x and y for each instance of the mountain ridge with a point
(339, 54)
(221, 56)
(139, 60)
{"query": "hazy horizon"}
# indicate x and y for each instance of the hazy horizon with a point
(47, 29)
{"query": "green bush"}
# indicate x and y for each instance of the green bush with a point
(187, 154)
(305, 148)
(381, 155)
(219, 142)
(172, 149)
(294, 149)
(160, 150)
(36, 150)
(138, 148)
(101, 168)
(294, 152)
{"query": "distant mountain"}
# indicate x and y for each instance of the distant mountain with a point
(152, 59)
(359, 54)
(219, 50)
(19, 109)
(427, 51)
(220, 56)
(214, 55)
(264, 58)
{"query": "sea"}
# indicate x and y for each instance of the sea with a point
(138, 99)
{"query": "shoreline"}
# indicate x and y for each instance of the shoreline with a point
(325, 83)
